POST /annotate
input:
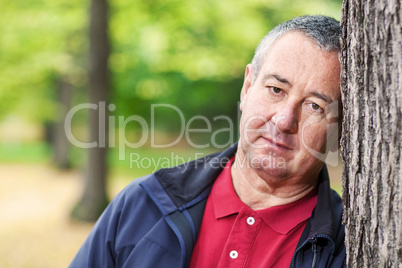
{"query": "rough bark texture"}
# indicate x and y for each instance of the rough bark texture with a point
(371, 139)
(94, 199)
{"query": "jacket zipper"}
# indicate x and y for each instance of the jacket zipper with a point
(314, 255)
(313, 241)
(296, 251)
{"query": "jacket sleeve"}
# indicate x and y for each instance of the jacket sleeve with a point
(98, 248)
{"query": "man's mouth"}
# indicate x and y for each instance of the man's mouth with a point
(276, 144)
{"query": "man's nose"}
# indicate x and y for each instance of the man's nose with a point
(286, 119)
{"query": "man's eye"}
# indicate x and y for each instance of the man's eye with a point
(276, 90)
(315, 106)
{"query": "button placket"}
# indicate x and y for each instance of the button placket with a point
(240, 240)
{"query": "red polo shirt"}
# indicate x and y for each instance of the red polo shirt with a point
(234, 235)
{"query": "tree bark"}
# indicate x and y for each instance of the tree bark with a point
(371, 139)
(94, 198)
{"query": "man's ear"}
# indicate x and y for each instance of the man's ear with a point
(248, 80)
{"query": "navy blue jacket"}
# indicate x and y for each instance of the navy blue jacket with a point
(154, 221)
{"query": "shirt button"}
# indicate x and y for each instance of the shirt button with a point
(233, 254)
(250, 220)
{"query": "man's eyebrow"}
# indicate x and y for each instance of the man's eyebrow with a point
(276, 77)
(324, 97)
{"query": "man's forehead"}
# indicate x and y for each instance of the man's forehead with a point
(296, 49)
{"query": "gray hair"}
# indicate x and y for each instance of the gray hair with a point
(323, 30)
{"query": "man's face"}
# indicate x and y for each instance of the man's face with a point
(291, 108)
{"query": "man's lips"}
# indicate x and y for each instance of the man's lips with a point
(277, 144)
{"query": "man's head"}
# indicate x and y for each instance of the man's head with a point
(290, 99)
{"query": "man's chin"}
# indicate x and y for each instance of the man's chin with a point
(274, 172)
(268, 163)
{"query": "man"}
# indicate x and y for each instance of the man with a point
(265, 202)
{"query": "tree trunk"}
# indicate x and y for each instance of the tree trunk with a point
(94, 199)
(371, 139)
(59, 141)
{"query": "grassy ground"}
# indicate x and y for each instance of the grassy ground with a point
(35, 202)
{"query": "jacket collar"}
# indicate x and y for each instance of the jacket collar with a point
(187, 181)
(323, 220)
(325, 224)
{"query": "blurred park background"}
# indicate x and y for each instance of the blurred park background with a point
(186, 53)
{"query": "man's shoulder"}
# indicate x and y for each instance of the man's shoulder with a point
(130, 194)
(185, 182)
(134, 186)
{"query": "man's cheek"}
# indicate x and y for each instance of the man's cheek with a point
(254, 124)
(314, 137)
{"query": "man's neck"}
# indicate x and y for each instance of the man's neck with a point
(259, 192)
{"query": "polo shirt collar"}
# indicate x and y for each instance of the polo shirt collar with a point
(286, 217)
(224, 198)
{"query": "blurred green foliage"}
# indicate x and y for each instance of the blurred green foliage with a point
(40, 40)
(188, 53)
(36, 152)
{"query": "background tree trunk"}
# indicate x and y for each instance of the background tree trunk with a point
(59, 142)
(371, 139)
(94, 198)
